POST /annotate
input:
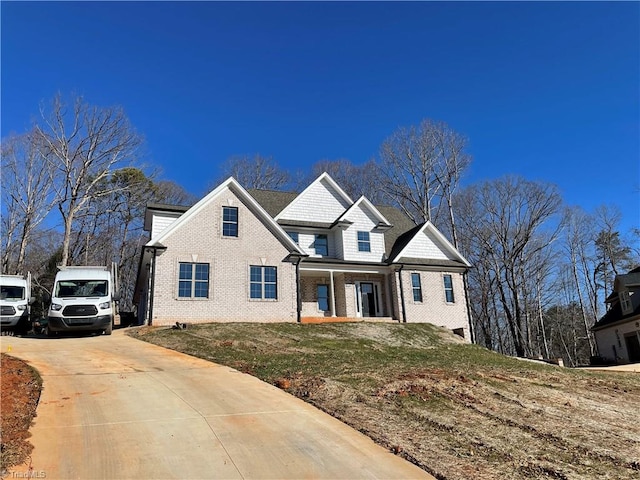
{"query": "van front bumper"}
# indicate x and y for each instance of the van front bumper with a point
(79, 324)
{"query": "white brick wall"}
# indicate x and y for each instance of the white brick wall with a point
(434, 307)
(200, 240)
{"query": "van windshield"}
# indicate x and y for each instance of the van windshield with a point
(81, 288)
(10, 292)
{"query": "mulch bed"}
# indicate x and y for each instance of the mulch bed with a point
(21, 386)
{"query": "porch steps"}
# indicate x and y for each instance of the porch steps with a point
(347, 319)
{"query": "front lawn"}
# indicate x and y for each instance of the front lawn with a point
(457, 410)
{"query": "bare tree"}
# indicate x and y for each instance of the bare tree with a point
(355, 180)
(256, 172)
(27, 189)
(169, 192)
(578, 239)
(507, 222)
(85, 144)
(422, 167)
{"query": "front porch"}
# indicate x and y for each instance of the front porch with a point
(338, 294)
(347, 319)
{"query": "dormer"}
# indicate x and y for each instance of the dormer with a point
(360, 232)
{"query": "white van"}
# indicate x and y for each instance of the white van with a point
(15, 301)
(83, 300)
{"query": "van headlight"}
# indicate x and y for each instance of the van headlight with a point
(104, 306)
(55, 307)
(21, 307)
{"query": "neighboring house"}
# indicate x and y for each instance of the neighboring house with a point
(618, 331)
(268, 256)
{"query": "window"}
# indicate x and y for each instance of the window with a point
(448, 289)
(229, 222)
(321, 245)
(263, 282)
(417, 287)
(625, 302)
(323, 298)
(294, 237)
(364, 242)
(193, 280)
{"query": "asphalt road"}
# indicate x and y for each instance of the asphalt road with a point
(114, 407)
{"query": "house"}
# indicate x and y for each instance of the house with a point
(268, 256)
(618, 331)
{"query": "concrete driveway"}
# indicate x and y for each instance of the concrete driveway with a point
(114, 407)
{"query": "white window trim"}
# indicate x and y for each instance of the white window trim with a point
(223, 222)
(366, 242)
(444, 289)
(209, 282)
(625, 302)
(263, 283)
(413, 288)
(377, 295)
(328, 298)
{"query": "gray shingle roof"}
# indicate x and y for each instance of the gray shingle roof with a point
(273, 201)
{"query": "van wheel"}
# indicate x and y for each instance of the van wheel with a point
(49, 333)
(108, 330)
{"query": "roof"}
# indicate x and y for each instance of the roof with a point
(614, 314)
(161, 207)
(399, 229)
(432, 262)
(273, 201)
(233, 185)
(402, 247)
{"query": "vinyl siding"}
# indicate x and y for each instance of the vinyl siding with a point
(320, 203)
(160, 221)
(426, 245)
(363, 221)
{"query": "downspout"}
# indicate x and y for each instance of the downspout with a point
(472, 333)
(298, 295)
(153, 284)
(404, 308)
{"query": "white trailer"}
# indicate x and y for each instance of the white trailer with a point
(15, 303)
(83, 300)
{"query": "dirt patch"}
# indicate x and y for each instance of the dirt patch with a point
(21, 387)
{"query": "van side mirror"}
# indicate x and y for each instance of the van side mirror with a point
(46, 298)
(116, 297)
(32, 300)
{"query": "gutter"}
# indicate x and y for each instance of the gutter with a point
(153, 281)
(404, 308)
(472, 333)
(298, 295)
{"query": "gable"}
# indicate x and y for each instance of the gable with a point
(227, 191)
(425, 244)
(323, 201)
(362, 205)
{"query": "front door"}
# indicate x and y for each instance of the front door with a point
(367, 299)
(633, 347)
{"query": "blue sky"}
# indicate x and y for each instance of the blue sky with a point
(549, 91)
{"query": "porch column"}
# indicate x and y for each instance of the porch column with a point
(387, 295)
(333, 296)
